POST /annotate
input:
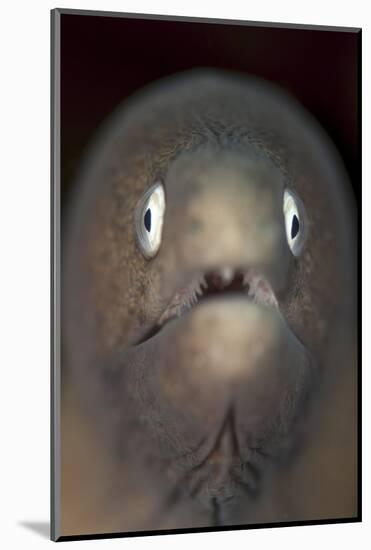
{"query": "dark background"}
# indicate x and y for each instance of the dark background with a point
(104, 59)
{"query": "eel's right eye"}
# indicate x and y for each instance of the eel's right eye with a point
(149, 220)
(294, 213)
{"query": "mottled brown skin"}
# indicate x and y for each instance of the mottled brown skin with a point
(234, 413)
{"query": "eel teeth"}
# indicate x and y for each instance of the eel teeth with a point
(203, 282)
(226, 274)
(246, 278)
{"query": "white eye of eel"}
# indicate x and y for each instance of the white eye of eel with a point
(295, 222)
(149, 218)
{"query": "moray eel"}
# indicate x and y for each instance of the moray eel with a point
(209, 371)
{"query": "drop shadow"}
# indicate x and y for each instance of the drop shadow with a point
(42, 528)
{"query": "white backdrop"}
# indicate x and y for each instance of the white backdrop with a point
(24, 268)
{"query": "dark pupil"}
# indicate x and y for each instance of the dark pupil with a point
(294, 226)
(147, 220)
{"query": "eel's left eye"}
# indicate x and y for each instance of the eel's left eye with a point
(293, 210)
(149, 220)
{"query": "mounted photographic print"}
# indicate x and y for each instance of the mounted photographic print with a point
(205, 182)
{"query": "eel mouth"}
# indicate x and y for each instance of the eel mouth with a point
(247, 283)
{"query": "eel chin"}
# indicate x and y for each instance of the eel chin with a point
(223, 379)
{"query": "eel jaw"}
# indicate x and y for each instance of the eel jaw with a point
(227, 280)
(243, 409)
